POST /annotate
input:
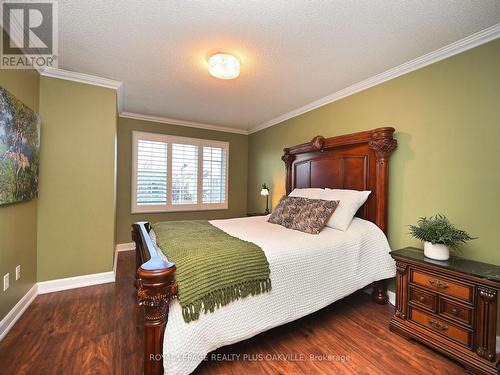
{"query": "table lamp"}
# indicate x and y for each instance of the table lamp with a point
(265, 191)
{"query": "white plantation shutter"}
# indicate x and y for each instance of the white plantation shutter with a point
(151, 172)
(184, 174)
(214, 174)
(178, 174)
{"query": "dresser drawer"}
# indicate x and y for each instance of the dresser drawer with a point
(444, 286)
(421, 298)
(452, 331)
(455, 311)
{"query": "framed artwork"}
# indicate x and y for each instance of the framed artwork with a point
(19, 150)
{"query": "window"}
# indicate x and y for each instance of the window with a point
(214, 174)
(178, 174)
(184, 173)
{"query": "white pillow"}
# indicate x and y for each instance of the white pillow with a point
(350, 202)
(311, 193)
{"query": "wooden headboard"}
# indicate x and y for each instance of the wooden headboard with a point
(358, 161)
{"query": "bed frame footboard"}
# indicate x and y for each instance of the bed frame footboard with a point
(156, 286)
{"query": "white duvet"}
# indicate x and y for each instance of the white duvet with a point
(308, 272)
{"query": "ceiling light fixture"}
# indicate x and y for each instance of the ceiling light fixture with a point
(224, 66)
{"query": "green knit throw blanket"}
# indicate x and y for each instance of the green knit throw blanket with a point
(213, 268)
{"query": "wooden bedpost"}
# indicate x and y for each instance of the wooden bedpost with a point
(155, 289)
(383, 144)
(379, 293)
(156, 286)
(288, 160)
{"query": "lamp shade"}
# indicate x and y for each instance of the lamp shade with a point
(264, 191)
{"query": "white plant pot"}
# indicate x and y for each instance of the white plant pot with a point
(436, 251)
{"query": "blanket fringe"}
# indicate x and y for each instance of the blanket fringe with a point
(224, 296)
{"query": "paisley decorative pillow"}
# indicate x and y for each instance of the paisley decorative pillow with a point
(303, 214)
(286, 211)
(313, 215)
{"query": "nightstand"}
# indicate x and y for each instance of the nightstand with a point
(450, 306)
(256, 214)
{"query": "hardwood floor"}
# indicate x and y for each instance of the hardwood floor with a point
(97, 330)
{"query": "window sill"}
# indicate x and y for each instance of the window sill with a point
(177, 209)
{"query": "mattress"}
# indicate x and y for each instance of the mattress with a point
(308, 272)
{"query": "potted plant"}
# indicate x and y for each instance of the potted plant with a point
(439, 235)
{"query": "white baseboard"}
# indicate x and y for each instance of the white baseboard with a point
(129, 246)
(392, 297)
(75, 282)
(85, 280)
(17, 311)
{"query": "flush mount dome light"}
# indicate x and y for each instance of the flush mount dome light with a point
(224, 66)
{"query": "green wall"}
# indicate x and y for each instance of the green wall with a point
(238, 162)
(76, 205)
(447, 119)
(18, 221)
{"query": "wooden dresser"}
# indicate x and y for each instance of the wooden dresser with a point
(450, 306)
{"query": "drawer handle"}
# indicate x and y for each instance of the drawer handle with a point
(454, 311)
(438, 284)
(421, 299)
(438, 325)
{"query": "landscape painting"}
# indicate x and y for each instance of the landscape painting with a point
(19, 150)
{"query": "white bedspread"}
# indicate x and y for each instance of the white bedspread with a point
(308, 272)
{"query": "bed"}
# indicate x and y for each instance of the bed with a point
(308, 272)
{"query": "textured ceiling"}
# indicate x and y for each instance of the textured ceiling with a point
(293, 52)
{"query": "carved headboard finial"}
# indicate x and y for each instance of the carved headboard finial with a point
(287, 158)
(383, 144)
(318, 142)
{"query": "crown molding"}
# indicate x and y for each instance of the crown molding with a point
(455, 48)
(87, 79)
(82, 78)
(191, 124)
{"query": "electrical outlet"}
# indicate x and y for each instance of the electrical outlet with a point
(5, 282)
(18, 272)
